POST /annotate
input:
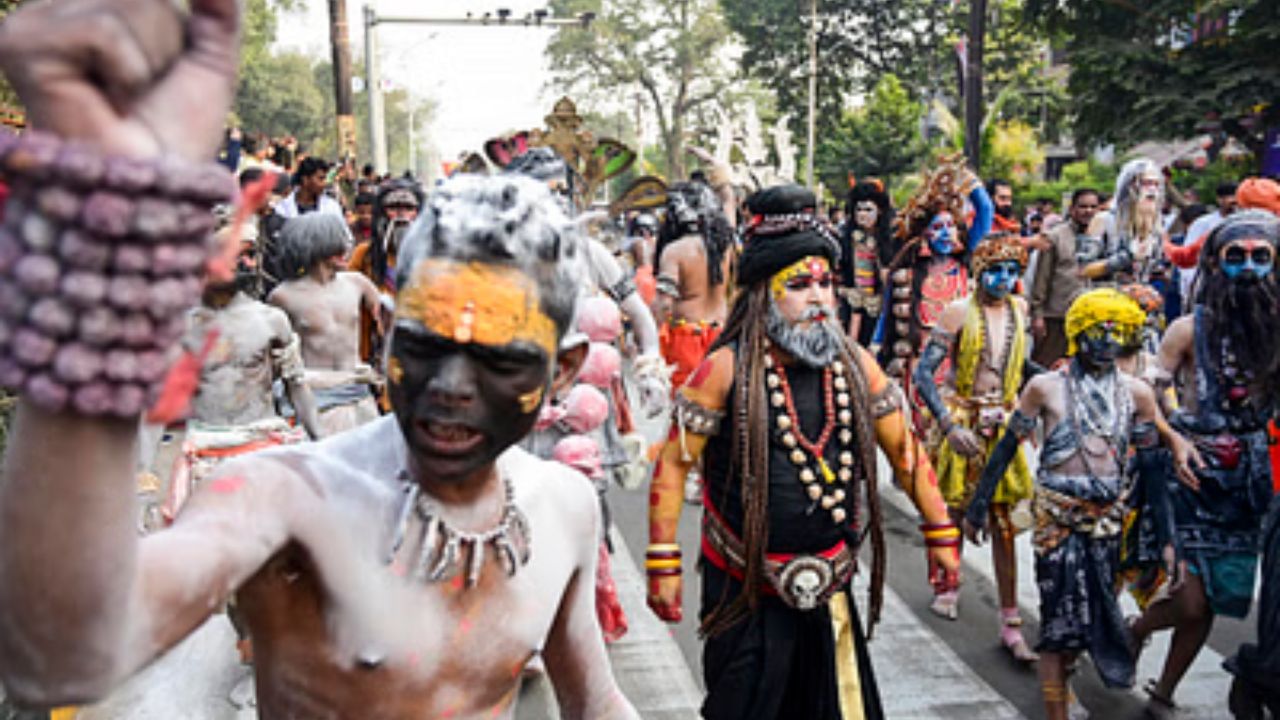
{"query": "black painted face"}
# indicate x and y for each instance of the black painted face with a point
(1102, 343)
(461, 405)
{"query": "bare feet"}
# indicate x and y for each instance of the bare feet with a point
(946, 604)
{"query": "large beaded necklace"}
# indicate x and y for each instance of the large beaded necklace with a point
(824, 486)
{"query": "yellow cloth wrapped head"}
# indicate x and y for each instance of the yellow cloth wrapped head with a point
(1099, 306)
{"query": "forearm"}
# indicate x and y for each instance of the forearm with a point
(925, 377)
(69, 554)
(997, 463)
(983, 214)
(642, 323)
(910, 464)
(304, 404)
(666, 489)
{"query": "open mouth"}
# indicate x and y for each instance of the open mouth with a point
(448, 438)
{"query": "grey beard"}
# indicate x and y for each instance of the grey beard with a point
(817, 345)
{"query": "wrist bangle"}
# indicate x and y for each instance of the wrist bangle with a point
(943, 542)
(663, 564)
(100, 257)
(666, 572)
(927, 526)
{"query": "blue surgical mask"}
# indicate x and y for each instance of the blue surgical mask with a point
(1000, 279)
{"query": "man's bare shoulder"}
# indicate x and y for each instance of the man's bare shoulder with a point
(1181, 330)
(552, 487)
(364, 462)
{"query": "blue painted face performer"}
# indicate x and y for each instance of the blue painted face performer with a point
(984, 338)
(929, 271)
(785, 414)
(1228, 348)
(1092, 415)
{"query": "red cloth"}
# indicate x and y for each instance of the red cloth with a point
(1274, 431)
(684, 344)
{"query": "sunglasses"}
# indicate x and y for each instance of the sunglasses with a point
(1255, 252)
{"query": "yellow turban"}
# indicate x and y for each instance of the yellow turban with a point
(1099, 306)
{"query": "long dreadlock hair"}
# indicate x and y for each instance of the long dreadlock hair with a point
(745, 333)
(378, 251)
(692, 209)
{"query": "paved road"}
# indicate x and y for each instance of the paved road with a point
(960, 663)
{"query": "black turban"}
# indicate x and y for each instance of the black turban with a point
(783, 228)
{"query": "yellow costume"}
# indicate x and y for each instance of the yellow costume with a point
(985, 416)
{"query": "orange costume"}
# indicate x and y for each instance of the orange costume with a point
(684, 344)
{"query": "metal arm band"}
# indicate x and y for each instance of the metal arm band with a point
(694, 418)
(620, 290)
(668, 285)
(887, 401)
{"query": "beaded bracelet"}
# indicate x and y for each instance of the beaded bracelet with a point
(100, 256)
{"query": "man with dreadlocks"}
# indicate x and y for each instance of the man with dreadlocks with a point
(394, 208)
(930, 269)
(1092, 414)
(1131, 246)
(323, 302)
(1224, 355)
(786, 414)
(693, 260)
(866, 248)
(984, 337)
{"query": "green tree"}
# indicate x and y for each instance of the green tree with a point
(881, 139)
(1168, 68)
(669, 51)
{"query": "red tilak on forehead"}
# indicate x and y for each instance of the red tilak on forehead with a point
(817, 266)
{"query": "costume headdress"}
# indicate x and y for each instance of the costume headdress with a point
(1099, 306)
(944, 187)
(784, 227)
(997, 248)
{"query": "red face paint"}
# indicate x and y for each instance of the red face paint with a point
(226, 485)
(657, 469)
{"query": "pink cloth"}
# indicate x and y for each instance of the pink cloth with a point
(602, 365)
(599, 319)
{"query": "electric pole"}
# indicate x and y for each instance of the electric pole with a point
(373, 90)
(341, 46)
(813, 95)
(973, 105)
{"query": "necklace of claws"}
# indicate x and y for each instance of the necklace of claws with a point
(442, 549)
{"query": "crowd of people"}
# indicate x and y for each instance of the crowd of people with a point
(402, 407)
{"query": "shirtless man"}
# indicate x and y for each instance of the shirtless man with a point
(246, 345)
(984, 337)
(323, 303)
(323, 542)
(693, 257)
(1092, 415)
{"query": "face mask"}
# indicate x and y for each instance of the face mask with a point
(999, 279)
(939, 234)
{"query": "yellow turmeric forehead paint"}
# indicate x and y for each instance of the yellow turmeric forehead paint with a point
(812, 265)
(480, 303)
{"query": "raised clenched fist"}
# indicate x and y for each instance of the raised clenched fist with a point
(133, 77)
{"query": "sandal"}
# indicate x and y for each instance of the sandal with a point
(1013, 641)
(946, 604)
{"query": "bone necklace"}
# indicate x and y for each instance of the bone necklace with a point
(443, 549)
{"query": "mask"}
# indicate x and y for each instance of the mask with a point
(865, 215)
(941, 234)
(1000, 279)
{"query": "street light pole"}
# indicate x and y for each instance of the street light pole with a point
(813, 94)
(373, 90)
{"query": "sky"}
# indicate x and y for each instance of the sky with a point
(485, 80)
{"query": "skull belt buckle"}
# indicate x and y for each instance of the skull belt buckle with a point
(805, 581)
